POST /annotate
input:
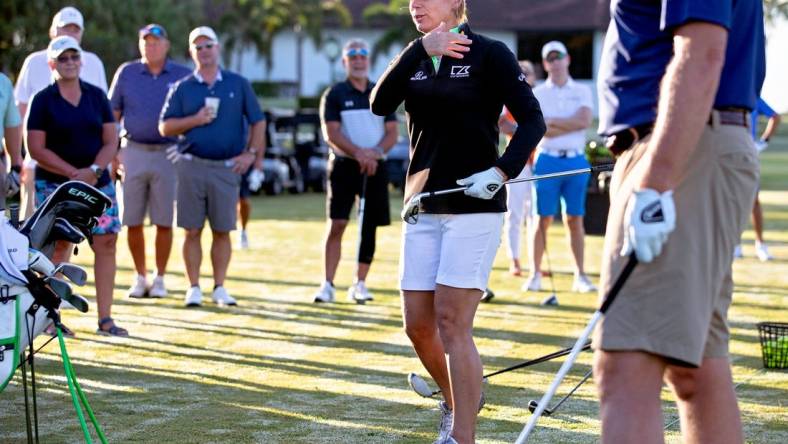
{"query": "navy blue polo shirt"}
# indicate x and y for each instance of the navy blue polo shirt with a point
(639, 46)
(139, 96)
(74, 133)
(225, 136)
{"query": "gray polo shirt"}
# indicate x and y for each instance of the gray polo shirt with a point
(139, 96)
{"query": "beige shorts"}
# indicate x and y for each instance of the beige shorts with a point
(148, 186)
(677, 306)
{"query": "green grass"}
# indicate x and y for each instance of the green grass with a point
(279, 369)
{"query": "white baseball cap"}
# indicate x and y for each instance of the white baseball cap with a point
(553, 46)
(61, 44)
(67, 16)
(202, 31)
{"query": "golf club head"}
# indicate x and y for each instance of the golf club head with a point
(487, 295)
(74, 273)
(533, 404)
(410, 212)
(550, 300)
(419, 385)
(79, 302)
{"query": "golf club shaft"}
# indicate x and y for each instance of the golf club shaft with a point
(622, 278)
(571, 392)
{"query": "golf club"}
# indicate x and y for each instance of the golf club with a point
(74, 273)
(420, 386)
(361, 203)
(533, 404)
(64, 291)
(570, 360)
(410, 212)
(552, 299)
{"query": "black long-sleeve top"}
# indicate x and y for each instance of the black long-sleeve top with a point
(452, 118)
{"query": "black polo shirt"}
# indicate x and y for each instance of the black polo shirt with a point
(74, 133)
(453, 115)
(345, 104)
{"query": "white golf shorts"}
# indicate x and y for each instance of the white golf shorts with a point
(456, 250)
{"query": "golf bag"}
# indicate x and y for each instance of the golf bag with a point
(28, 303)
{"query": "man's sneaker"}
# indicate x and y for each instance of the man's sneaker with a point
(582, 284)
(140, 287)
(487, 295)
(447, 420)
(359, 293)
(737, 254)
(326, 293)
(157, 289)
(193, 297)
(244, 240)
(534, 283)
(221, 297)
(762, 252)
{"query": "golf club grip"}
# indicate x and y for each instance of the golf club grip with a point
(622, 278)
(603, 167)
(539, 360)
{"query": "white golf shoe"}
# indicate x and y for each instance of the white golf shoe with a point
(359, 293)
(222, 298)
(140, 287)
(762, 252)
(583, 285)
(534, 283)
(193, 297)
(243, 240)
(447, 420)
(737, 253)
(157, 288)
(326, 294)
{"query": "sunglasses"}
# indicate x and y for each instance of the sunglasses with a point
(353, 52)
(65, 58)
(556, 56)
(204, 46)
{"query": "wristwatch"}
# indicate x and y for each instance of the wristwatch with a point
(252, 150)
(97, 170)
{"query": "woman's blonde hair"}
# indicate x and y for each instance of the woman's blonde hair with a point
(461, 12)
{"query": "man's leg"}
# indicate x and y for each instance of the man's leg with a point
(757, 220)
(104, 248)
(455, 309)
(707, 402)
(333, 247)
(629, 385)
(163, 248)
(576, 233)
(221, 251)
(192, 255)
(538, 242)
(136, 242)
(244, 210)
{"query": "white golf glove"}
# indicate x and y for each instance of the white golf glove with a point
(648, 220)
(761, 145)
(256, 179)
(483, 185)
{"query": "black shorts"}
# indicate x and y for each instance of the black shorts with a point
(344, 184)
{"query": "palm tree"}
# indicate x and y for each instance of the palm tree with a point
(400, 29)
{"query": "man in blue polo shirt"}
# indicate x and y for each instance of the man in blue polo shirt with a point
(210, 110)
(677, 82)
(137, 96)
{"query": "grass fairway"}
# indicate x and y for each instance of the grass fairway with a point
(279, 369)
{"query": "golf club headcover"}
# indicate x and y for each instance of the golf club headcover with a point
(649, 218)
(484, 184)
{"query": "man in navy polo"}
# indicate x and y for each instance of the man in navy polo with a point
(677, 83)
(137, 97)
(210, 110)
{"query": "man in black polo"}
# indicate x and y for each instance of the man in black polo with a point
(358, 140)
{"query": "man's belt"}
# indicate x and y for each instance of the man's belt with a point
(225, 163)
(731, 116)
(625, 139)
(128, 143)
(563, 154)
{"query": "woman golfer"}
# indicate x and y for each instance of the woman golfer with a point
(454, 84)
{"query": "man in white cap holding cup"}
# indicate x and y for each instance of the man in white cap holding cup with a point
(213, 111)
(36, 75)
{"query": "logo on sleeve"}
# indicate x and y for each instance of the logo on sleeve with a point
(460, 72)
(521, 77)
(348, 103)
(419, 76)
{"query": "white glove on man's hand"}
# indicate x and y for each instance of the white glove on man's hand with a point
(761, 145)
(256, 179)
(483, 185)
(648, 220)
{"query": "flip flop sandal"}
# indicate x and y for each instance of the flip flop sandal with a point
(112, 331)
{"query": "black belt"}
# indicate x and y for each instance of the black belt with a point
(625, 139)
(731, 116)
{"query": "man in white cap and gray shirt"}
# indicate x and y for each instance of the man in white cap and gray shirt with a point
(212, 111)
(36, 75)
(567, 109)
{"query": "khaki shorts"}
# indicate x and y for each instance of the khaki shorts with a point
(677, 306)
(148, 185)
(206, 191)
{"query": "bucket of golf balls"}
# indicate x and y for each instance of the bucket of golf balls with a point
(774, 344)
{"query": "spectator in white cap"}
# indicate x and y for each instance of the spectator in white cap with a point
(37, 75)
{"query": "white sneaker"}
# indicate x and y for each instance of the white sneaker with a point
(193, 297)
(762, 252)
(243, 239)
(326, 293)
(534, 283)
(157, 288)
(359, 293)
(221, 297)
(737, 254)
(140, 287)
(583, 285)
(447, 420)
